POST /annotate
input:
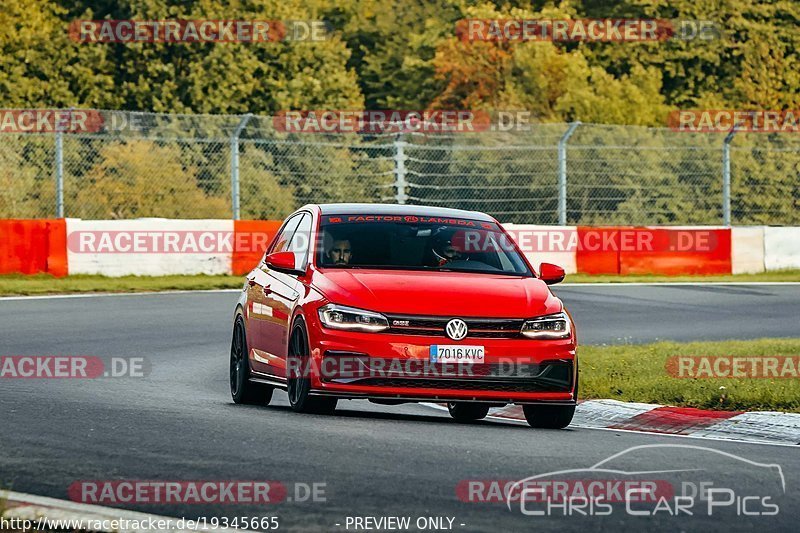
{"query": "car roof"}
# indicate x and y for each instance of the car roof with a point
(401, 209)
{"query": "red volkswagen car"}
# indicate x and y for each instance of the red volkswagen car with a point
(400, 303)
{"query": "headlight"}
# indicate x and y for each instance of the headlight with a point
(342, 317)
(555, 326)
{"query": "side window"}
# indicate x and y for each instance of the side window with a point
(301, 242)
(285, 236)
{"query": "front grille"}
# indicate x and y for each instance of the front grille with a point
(548, 376)
(479, 328)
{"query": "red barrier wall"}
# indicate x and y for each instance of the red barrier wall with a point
(248, 238)
(666, 251)
(677, 252)
(598, 261)
(33, 246)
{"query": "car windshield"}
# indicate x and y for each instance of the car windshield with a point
(409, 242)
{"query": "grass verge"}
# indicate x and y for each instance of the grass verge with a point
(18, 284)
(21, 285)
(638, 373)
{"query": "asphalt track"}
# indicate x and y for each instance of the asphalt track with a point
(179, 423)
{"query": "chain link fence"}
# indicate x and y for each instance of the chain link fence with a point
(136, 165)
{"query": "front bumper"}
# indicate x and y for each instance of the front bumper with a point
(397, 367)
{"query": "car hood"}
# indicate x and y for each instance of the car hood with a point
(437, 293)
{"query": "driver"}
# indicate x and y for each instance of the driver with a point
(444, 251)
(339, 253)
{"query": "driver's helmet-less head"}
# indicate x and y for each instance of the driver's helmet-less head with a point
(445, 250)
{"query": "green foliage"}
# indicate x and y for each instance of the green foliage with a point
(22, 284)
(766, 170)
(120, 185)
(29, 284)
(42, 67)
(403, 54)
(393, 46)
(751, 64)
(23, 192)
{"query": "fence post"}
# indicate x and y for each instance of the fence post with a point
(400, 169)
(726, 178)
(235, 165)
(60, 166)
(59, 173)
(562, 172)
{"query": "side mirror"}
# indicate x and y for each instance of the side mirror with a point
(283, 262)
(551, 274)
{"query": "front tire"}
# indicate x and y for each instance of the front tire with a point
(298, 380)
(242, 389)
(548, 416)
(466, 412)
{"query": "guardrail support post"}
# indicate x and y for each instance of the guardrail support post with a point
(562, 172)
(235, 165)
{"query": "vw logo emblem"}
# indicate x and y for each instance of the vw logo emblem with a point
(456, 329)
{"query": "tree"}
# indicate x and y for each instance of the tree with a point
(144, 179)
(751, 62)
(25, 192)
(40, 66)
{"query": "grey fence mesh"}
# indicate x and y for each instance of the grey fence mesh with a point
(204, 166)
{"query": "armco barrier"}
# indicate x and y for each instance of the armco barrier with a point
(33, 246)
(137, 247)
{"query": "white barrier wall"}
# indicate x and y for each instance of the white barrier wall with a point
(747, 250)
(546, 244)
(781, 248)
(149, 247)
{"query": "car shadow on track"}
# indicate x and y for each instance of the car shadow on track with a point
(366, 414)
(444, 420)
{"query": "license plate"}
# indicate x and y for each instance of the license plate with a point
(456, 353)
